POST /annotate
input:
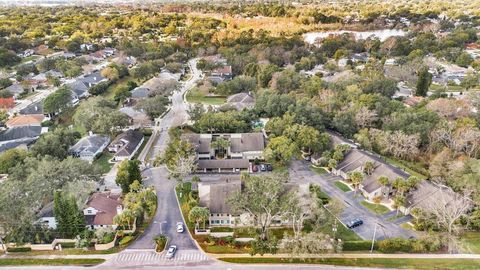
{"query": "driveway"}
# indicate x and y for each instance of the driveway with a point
(301, 173)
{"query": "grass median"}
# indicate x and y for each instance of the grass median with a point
(18, 261)
(399, 263)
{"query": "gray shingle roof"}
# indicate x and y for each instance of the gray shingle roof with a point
(20, 133)
(34, 108)
(223, 163)
(89, 145)
(79, 88)
(93, 78)
(140, 92)
(131, 139)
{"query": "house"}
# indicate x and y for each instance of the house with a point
(41, 78)
(126, 145)
(140, 93)
(26, 53)
(100, 210)
(33, 108)
(87, 47)
(88, 148)
(137, 118)
(15, 89)
(93, 79)
(19, 136)
(25, 120)
(242, 147)
(241, 101)
(224, 72)
(46, 217)
(335, 139)
(79, 91)
(355, 160)
(390, 62)
(214, 195)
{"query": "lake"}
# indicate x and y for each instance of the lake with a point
(381, 34)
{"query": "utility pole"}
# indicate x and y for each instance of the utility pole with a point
(373, 238)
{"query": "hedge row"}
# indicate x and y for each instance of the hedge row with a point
(19, 249)
(358, 245)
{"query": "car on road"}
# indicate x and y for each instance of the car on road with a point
(171, 251)
(263, 167)
(179, 227)
(269, 167)
(354, 223)
(254, 168)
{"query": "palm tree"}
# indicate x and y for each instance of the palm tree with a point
(368, 167)
(399, 201)
(199, 214)
(220, 144)
(356, 178)
(384, 181)
(332, 164)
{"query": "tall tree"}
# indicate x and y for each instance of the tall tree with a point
(423, 82)
(128, 172)
(199, 215)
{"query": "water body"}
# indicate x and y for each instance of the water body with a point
(381, 34)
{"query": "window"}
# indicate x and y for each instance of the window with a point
(89, 211)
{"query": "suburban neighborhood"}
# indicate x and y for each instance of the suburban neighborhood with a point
(256, 135)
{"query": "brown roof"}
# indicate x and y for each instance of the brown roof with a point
(223, 70)
(106, 204)
(26, 120)
(214, 195)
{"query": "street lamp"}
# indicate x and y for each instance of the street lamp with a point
(161, 231)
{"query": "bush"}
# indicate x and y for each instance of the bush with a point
(161, 241)
(19, 249)
(67, 244)
(125, 240)
(395, 245)
(359, 245)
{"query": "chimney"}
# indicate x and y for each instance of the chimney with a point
(119, 209)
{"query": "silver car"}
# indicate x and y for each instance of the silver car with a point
(179, 227)
(171, 251)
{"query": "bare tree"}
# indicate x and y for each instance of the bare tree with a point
(308, 243)
(365, 117)
(184, 166)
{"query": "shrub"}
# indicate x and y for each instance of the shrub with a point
(125, 240)
(161, 241)
(395, 245)
(358, 245)
(19, 249)
(67, 244)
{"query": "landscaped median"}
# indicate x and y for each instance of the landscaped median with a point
(32, 261)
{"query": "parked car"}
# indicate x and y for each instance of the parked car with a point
(269, 167)
(171, 251)
(354, 223)
(254, 168)
(263, 167)
(179, 227)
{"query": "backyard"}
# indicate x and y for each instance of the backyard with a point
(195, 96)
(103, 162)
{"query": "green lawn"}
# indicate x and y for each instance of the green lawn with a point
(342, 186)
(102, 162)
(71, 251)
(421, 264)
(318, 170)
(471, 242)
(20, 261)
(376, 208)
(195, 96)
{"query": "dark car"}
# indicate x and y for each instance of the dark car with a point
(254, 168)
(263, 167)
(354, 223)
(269, 167)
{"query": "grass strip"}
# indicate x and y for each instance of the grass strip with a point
(18, 261)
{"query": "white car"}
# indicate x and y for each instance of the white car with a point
(179, 227)
(171, 251)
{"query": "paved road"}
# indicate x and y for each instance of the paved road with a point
(300, 172)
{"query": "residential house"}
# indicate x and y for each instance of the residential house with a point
(88, 148)
(137, 118)
(221, 74)
(335, 139)
(100, 210)
(140, 93)
(46, 217)
(241, 101)
(42, 78)
(26, 53)
(93, 79)
(15, 89)
(79, 91)
(355, 160)
(87, 47)
(25, 120)
(19, 136)
(390, 62)
(33, 108)
(126, 145)
(242, 147)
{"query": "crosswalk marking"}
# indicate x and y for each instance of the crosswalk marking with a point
(182, 256)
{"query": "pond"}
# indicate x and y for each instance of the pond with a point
(381, 34)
